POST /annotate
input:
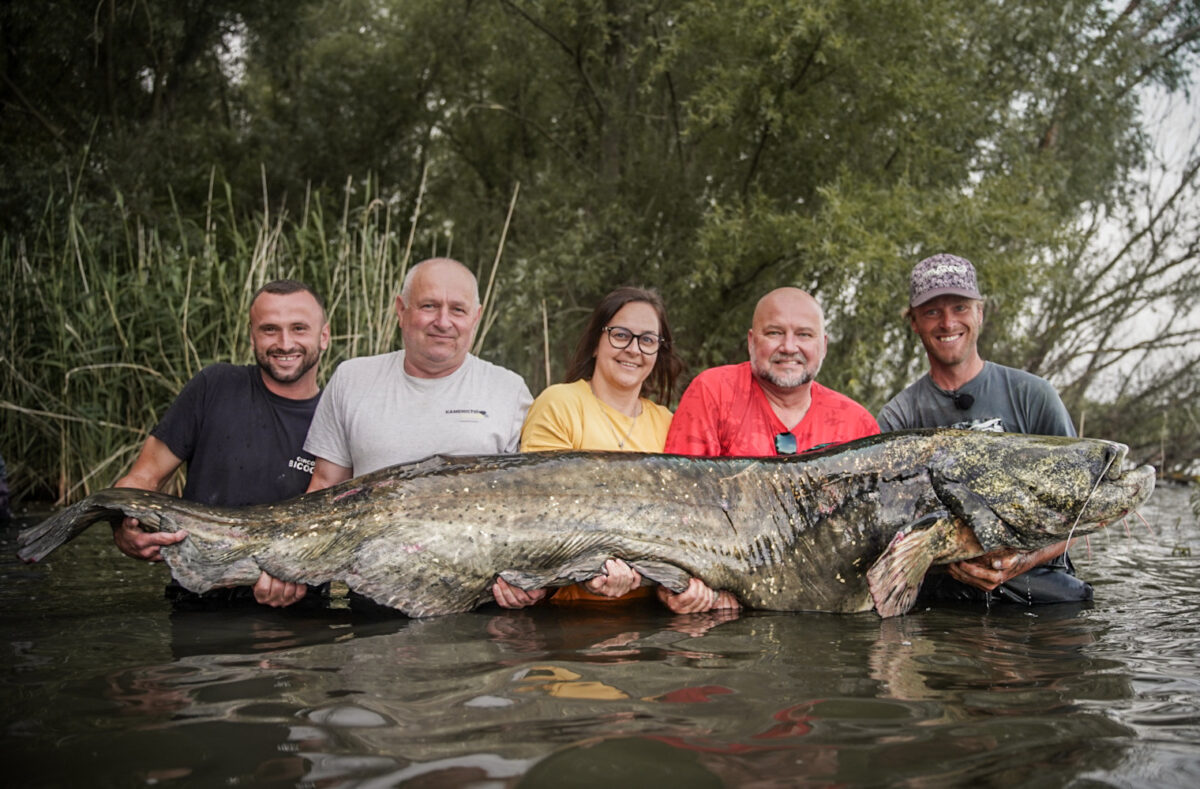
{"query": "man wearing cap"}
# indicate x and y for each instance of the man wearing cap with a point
(961, 390)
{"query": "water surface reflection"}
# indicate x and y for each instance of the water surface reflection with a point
(105, 685)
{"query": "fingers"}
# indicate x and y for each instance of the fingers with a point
(698, 597)
(976, 575)
(619, 579)
(504, 594)
(1002, 560)
(509, 596)
(127, 535)
(276, 593)
(990, 570)
(727, 602)
(139, 544)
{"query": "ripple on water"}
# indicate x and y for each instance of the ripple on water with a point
(100, 670)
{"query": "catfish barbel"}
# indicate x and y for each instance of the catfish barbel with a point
(850, 528)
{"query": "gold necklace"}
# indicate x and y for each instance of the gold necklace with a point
(617, 433)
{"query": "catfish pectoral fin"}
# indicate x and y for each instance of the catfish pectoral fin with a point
(420, 596)
(199, 576)
(528, 580)
(895, 578)
(585, 566)
(668, 575)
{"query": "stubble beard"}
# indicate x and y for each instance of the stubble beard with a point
(947, 357)
(307, 361)
(797, 379)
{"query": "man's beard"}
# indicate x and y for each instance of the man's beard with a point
(307, 360)
(790, 381)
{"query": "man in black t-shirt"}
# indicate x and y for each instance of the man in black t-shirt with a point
(241, 429)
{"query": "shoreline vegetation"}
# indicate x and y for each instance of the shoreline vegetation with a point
(108, 326)
(159, 160)
(108, 323)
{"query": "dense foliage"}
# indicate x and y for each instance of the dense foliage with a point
(162, 156)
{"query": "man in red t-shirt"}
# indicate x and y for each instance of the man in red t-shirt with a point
(769, 405)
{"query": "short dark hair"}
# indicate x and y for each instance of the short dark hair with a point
(286, 287)
(660, 385)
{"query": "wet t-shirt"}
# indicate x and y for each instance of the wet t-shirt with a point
(724, 413)
(242, 443)
(1001, 400)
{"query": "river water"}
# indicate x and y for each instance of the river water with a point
(104, 685)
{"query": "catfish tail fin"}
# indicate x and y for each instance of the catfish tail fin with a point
(111, 505)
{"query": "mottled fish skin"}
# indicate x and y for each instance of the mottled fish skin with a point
(795, 533)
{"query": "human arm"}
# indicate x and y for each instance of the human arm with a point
(155, 463)
(326, 474)
(524, 401)
(1000, 566)
(698, 597)
(892, 417)
(554, 421)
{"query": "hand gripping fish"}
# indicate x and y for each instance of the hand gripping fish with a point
(851, 528)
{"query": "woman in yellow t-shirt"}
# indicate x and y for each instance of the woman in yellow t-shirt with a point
(624, 358)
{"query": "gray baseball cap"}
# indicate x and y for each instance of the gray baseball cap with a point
(941, 275)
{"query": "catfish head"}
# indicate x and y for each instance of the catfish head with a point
(1027, 492)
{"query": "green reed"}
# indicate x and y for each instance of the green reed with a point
(107, 319)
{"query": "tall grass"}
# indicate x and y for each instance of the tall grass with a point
(105, 324)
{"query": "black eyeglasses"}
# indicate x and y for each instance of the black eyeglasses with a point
(620, 338)
(785, 444)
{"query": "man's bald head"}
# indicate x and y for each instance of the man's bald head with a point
(787, 338)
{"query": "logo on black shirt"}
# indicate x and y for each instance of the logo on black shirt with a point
(301, 463)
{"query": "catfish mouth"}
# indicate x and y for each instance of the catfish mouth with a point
(1117, 491)
(1028, 492)
(1117, 494)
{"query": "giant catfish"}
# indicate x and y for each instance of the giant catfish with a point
(850, 528)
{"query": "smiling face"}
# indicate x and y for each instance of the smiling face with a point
(787, 339)
(288, 333)
(949, 329)
(626, 369)
(438, 314)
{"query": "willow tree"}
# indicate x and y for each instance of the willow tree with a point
(716, 150)
(710, 149)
